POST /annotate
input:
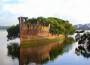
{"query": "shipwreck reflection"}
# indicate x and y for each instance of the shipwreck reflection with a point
(43, 54)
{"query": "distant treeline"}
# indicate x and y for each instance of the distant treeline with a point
(4, 27)
(57, 26)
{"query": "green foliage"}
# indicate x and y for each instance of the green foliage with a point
(13, 32)
(57, 26)
(69, 28)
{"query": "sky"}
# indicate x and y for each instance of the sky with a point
(76, 11)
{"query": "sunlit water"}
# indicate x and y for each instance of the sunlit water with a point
(4, 58)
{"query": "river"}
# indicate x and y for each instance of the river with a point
(64, 55)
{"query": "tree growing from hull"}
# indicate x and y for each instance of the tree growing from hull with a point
(57, 26)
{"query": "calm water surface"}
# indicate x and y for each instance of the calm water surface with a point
(64, 55)
(5, 57)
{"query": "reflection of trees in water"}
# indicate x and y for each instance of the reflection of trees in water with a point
(84, 46)
(65, 47)
(85, 52)
(55, 52)
(13, 50)
(44, 54)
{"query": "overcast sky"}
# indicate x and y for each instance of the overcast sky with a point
(76, 11)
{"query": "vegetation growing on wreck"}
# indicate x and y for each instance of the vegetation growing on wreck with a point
(57, 26)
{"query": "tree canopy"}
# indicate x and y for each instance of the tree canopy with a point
(57, 26)
(13, 32)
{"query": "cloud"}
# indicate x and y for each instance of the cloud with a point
(6, 17)
(12, 1)
(77, 11)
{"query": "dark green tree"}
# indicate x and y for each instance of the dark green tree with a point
(13, 32)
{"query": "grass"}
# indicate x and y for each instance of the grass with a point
(40, 42)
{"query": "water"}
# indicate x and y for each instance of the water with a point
(63, 55)
(5, 57)
(70, 58)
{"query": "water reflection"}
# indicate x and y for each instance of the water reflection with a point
(84, 46)
(13, 50)
(81, 50)
(41, 55)
(5, 50)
